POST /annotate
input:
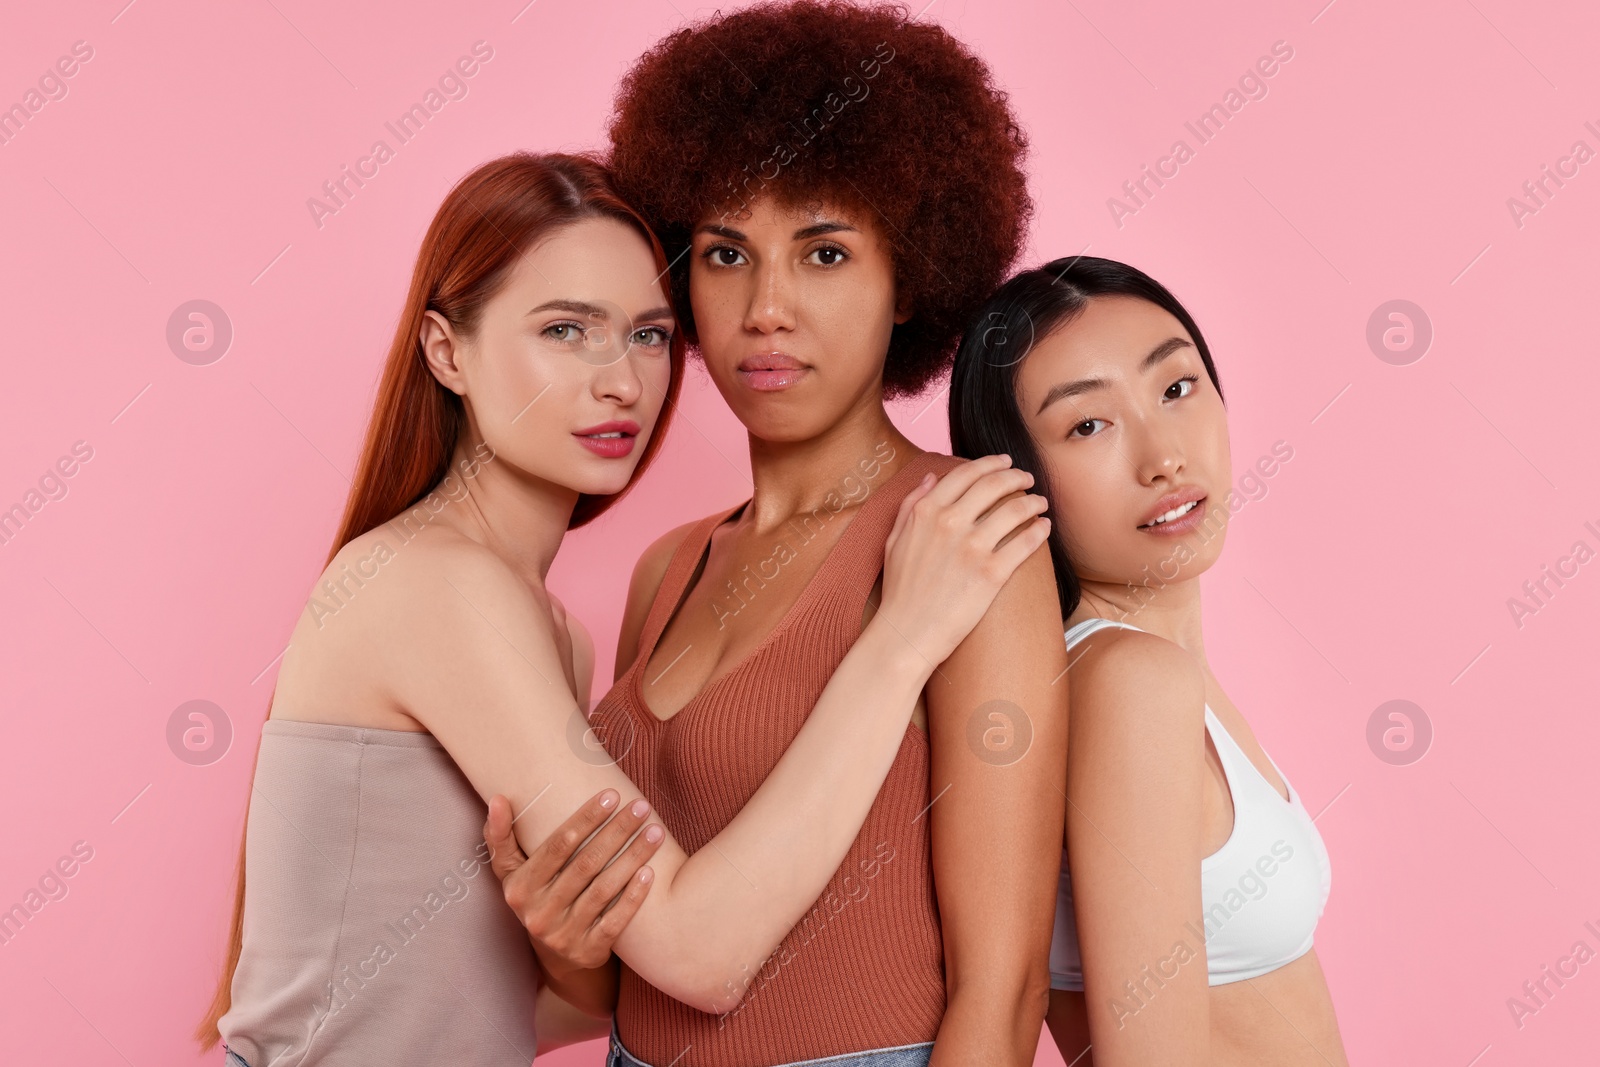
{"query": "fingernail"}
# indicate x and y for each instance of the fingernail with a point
(608, 799)
(653, 834)
(645, 874)
(640, 807)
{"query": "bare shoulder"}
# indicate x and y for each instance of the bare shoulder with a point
(1116, 671)
(388, 605)
(449, 574)
(1016, 648)
(340, 614)
(409, 592)
(648, 574)
(1026, 609)
(651, 568)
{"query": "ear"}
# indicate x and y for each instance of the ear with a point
(902, 307)
(441, 351)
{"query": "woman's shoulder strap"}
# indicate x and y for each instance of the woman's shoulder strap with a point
(1078, 631)
(680, 569)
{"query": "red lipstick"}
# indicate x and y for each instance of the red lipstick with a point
(612, 439)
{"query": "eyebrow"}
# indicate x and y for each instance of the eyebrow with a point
(1086, 385)
(583, 307)
(805, 232)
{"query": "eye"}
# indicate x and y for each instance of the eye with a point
(720, 255)
(651, 336)
(1188, 379)
(564, 333)
(832, 255)
(1085, 423)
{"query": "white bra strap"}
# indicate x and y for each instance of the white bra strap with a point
(1242, 772)
(1083, 629)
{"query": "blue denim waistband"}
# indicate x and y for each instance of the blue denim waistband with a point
(899, 1056)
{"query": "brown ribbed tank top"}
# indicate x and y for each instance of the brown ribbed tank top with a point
(864, 968)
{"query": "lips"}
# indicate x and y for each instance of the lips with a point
(609, 440)
(1173, 501)
(768, 372)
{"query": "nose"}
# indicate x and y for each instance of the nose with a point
(1160, 454)
(771, 306)
(618, 381)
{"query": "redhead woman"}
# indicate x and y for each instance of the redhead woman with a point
(528, 384)
(1193, 876)
(844, 186)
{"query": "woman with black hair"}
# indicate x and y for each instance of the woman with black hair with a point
(1184, 929)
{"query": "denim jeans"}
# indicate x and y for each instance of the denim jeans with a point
(899, 1056)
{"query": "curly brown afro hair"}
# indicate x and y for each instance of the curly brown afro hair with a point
(826, 100)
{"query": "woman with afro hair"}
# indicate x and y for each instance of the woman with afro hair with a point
(837, 188)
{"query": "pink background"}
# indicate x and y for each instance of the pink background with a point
(1377, 567)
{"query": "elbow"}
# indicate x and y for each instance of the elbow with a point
(1023, 991)
(694, 958)
(713, 991)
(722, 983)
(711, 982)
(1034, 1004)
(1029, 1007)
(714, 1001)
(1011, 1011)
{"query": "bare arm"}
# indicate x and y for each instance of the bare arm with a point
(997, 819)
(1135, 785)
(583, 896)
(478, 667)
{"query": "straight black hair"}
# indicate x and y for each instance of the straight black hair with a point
(984, 417)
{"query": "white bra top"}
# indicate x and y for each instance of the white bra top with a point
(1261, 893)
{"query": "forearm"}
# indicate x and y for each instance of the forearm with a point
(734, 901)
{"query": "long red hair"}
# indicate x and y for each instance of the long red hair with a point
(488, 220)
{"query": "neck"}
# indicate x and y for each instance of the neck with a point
(518, 517)
(1167, 609)
(846, 462)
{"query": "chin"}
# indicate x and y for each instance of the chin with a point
(1185, 560)
(777, 409)
(773, 425)
(609, 486)
(771, 422)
